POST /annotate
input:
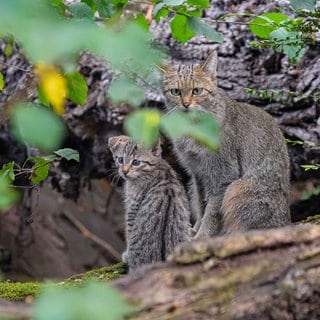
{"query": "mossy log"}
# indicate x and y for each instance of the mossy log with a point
(270, 274)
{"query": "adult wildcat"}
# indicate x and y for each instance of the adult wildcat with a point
(245, 185)
(157, 209)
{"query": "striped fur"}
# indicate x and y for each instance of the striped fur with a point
(157, 209)
(245, 185)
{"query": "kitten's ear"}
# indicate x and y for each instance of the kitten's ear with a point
(211, 64)
(112, 141)
(156, 149)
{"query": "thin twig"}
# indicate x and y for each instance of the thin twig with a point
(13, 66)
(87, 234)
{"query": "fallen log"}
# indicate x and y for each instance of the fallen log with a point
(267, 274)
(270, 274)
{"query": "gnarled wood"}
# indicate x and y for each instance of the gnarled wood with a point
(268, 274)
(271, 274)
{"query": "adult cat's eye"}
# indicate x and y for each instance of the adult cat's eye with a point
(120, 160)
(197, 91)
(175, 92)
(135, 162)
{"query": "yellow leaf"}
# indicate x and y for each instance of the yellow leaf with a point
(1, 81)
(53, 85)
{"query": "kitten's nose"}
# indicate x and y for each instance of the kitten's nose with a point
(125, 170)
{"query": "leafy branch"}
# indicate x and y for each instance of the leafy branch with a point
(36, 173)
(272, 94)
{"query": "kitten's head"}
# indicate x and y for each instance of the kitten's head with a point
(133, 159)
(189, 87)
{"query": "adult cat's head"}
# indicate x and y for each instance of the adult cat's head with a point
(133, 159)
(190, 87)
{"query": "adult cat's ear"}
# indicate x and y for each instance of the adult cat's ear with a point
(156, 149)
(164, 68)
(210, 65)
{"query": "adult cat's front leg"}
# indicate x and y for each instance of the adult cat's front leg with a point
(195, 203)
(211, 222)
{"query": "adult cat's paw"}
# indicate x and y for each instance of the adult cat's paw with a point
(202, 234)
(192, 232)
(124, 257)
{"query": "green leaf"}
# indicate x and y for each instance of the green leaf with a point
(7, 172)
(308, 167)
(81, 10)
(180, 29)
(199, 126)
(142, 21)
(68, 154)
(8, 195)
(77, 87)
(304, 4)
(129, 47)
(37, 126)
(42, 97)
(1, 81)
(289, 44)
(264, 24)
(90, 3)
(173, 2)
(123, 89)
(9, 47)
(202, 28)
(202, 4)
(93, 300)
(143, 125)
(160, 11)
(40, 169)
(105, 8)
(65, 39)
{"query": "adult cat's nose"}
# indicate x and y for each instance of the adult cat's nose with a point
(186, 103)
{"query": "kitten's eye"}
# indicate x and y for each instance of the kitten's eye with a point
(175, 92)
(135, 162)
(197, 91)
(120, 160)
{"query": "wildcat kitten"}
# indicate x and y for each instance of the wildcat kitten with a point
(245, 185)
(157, 209)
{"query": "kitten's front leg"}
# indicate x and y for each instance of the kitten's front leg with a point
(211, 221)
(130, 219)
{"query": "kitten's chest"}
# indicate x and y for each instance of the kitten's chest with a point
(134, 195)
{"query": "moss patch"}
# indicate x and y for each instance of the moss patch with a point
(312, 219)
(105, 274)
(18, 291)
